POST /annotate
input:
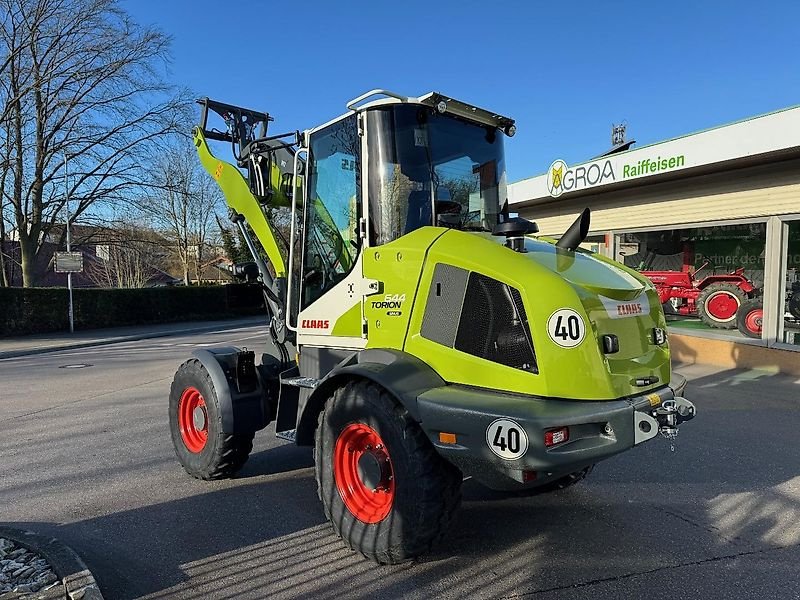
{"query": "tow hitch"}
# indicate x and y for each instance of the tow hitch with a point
(672, 413)
(665, 419)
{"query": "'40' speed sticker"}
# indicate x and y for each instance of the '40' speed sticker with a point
(507, 439)
(566, 328)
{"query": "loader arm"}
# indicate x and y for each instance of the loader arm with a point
(239, 197)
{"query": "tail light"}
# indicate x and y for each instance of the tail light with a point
(556, 436)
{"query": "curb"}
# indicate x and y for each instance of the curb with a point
(124, 338)
(78, 581)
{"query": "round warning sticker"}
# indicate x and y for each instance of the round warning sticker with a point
(566, 328)
(507, 439)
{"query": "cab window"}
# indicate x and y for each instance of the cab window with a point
(332, 208)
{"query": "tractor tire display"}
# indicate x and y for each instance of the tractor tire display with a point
(384, 488)
(195, 424)
(793, 300)
(749, 318)
(718, 304)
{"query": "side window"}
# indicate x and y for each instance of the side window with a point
(332, 208)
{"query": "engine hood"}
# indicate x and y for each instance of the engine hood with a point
(586, 271)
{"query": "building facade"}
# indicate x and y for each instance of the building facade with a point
(721, 201)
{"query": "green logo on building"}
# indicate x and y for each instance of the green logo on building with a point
(647, 166)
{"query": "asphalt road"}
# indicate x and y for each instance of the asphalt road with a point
(85, 455)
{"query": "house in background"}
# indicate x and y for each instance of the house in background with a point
(113, 257)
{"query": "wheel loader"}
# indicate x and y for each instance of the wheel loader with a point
(421, 334)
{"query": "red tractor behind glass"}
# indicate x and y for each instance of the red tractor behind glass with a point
(714, 298)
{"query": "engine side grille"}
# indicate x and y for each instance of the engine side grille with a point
(478, 315)
(440, 321)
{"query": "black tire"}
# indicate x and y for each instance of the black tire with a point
(793, 304)
(748, 321)
(427, 489)
(708, 294)
(223, 454)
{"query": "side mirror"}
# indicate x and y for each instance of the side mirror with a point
(448, 220)
(246, 271)
(515, 229)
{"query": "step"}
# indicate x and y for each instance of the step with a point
(303, 382)
(289, 435)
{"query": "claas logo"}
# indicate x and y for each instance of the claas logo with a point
(315, 324)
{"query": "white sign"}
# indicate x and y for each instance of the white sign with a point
(507, 439)
(69, 262)
(566, 328)
(561, 178)
(751, 137)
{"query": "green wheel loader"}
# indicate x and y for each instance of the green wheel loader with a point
(422, 334)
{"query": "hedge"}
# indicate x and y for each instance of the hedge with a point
(39, 310)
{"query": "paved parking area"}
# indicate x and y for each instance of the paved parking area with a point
(85, 455)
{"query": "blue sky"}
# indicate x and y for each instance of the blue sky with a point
(564, 71)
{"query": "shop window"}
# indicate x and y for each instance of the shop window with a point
(789, 329)
(708, 278)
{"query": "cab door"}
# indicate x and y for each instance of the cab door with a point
(330, 297)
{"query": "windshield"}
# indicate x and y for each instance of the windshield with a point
(431, 169)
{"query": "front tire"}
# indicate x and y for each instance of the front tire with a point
(718, 303)
(750, 318)
(195, 423)
(384, 488)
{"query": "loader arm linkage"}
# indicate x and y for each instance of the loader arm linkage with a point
(241, 200)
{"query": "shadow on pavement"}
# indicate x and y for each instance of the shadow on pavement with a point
(730, 490)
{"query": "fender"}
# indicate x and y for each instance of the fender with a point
(401, 374)
(242, 412)
(736, 279)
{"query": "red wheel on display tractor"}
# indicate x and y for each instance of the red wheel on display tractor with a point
(750, 317)
(718, 304)
(384, 488)
(195, 422)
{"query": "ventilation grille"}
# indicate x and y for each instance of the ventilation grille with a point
(480, 316)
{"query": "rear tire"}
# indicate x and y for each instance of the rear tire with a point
(749, 318)
(386, 491)
(718, 304)
(195, 423)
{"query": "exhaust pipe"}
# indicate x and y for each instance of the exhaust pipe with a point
(577, 232)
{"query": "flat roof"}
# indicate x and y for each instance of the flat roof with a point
(709, 149)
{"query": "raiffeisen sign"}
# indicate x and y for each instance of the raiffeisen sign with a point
(741, 141)
(561, 178)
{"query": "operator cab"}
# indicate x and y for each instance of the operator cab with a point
(431, 161)
(429, 168)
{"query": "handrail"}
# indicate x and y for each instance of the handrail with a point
(376, 92)
(291, 239)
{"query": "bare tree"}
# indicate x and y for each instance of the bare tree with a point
(185, 207)
(127, 256)
(83, 81)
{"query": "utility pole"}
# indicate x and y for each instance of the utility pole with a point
(69, 245)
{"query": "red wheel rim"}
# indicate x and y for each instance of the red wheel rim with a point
(722, 306)
(754, 319)
(193, 420)
(363, 473)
